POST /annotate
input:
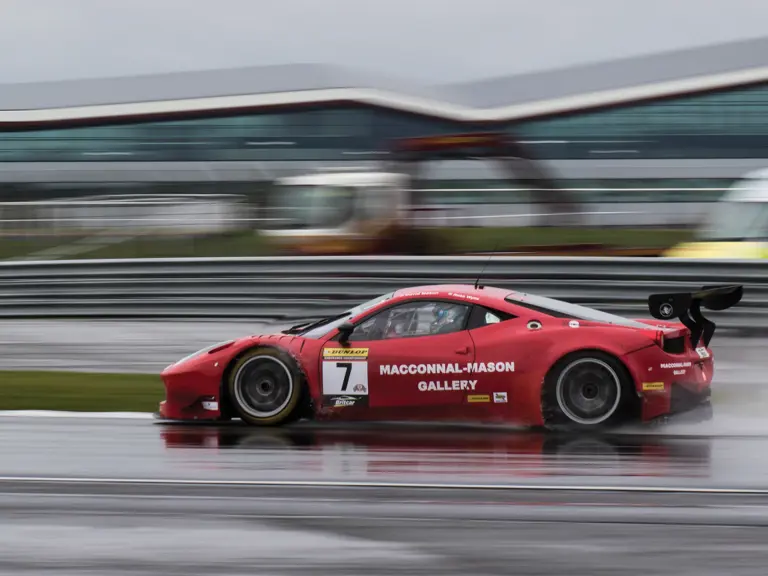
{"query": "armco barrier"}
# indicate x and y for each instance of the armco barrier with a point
(292, 288)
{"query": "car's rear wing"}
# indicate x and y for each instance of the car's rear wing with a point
(686, 306)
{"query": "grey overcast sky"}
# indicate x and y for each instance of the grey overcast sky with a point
(430, 41)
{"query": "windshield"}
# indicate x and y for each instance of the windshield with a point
(561, 309)
(735, 221)
(322, 327)
(314, 206)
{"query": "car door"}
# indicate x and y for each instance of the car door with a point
(497, 349)
(410, 355)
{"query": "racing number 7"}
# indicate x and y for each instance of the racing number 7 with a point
(347, 370)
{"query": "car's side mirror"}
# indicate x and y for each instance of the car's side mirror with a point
(345, 331)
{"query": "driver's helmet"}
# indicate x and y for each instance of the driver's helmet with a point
(443, 314)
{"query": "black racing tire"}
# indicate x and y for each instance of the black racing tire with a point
(587, 391)
(265, 387)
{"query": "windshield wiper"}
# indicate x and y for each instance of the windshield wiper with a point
(299, 328)
(296, 329)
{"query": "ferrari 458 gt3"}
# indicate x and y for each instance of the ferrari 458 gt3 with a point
(461, 353)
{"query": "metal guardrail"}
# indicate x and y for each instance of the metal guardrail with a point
(291, 288)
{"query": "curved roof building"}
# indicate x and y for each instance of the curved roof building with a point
(700, 113)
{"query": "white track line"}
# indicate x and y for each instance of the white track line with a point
(84, 415)
(401, 485)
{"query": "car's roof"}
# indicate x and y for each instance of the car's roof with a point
(453, 291)
(491, 296)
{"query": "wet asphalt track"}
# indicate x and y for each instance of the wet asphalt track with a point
(136, 497)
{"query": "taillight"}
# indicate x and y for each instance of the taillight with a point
(673, 345)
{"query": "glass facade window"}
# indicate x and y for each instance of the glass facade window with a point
(731, 124)
(587, 191)
(340, 134)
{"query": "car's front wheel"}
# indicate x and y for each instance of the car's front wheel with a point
(265, 387)
(587, 391)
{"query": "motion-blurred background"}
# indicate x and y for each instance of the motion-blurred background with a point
(237, 128)
(177, 128)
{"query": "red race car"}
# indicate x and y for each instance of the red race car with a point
(461, 353)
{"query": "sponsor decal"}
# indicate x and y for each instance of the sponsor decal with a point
(573, 324)
(345, 371)
(446, 386)
(678, 372)
(346, 353)
(676, 365)
(478, 398)
(451, 368)
(702, 352)
(652, 386)
(499, 397)
(346, 401)
(666, 310)
(210, 405)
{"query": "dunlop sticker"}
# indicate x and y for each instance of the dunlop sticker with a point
(346, 353)
(650, 386)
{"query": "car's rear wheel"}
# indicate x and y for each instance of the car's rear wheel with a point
(265, 387)
(587, 391)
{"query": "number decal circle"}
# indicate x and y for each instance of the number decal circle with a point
(348, 378)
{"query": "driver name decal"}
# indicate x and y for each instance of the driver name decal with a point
(451, 368)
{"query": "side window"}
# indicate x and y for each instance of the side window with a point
(490, 318)
(482, 316)
(422, 318)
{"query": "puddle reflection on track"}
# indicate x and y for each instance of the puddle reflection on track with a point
(390, 451)
(679, 454)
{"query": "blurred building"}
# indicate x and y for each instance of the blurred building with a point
(690, 119)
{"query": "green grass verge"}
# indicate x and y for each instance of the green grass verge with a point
(484, 239)
(80, 392)
(437, 240)
(232, 244)
(14, 247)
